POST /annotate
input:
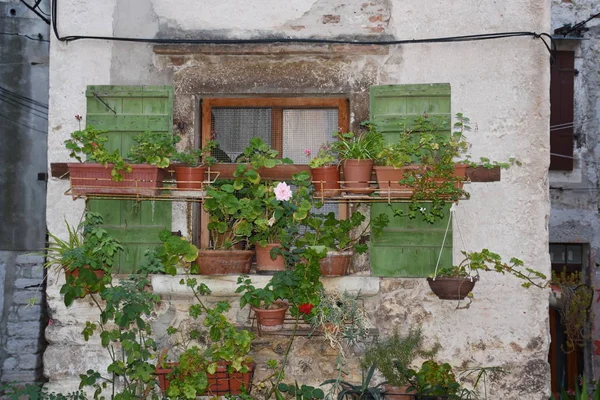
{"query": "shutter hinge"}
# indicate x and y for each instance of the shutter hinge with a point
(103, 102)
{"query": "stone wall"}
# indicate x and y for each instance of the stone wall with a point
(22, 319)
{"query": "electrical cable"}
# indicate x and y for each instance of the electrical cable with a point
(21, 97)
(37, 7)
(46, 20)
(26, 126)
(448, 39)
(580, 24)
(25, 36)
(32, 111)
(23, 104)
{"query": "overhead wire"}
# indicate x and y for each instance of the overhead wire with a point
(448, 39)
(21, 124)
(25, 36)
(21, 97)
(31, 110)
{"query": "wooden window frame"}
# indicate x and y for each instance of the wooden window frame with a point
(562, 91)
(277, 105)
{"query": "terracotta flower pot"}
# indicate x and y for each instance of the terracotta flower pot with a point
(224, 262)
(357, 175)
(264, 262)
(396, 392)
(271, 319)
(451, 288)
(219, 384)
(388, 177)
(336, 263)
(326, 181)
(189, 177)
(90, 178)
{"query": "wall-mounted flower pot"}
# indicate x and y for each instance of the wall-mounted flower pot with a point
(89, 178)
(451, 288)
(220, 383)
(357, 176)
(271, 319)
(189, 178)
(326, 181)
(388, 177)
(224, 262)
(335, 263)
(264, 262)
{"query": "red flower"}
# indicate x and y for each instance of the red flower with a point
(78, 117)
(305, 308)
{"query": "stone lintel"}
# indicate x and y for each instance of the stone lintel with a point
(269, 49)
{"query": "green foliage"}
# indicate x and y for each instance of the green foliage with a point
(126, 332)
(226, 344)
(326, 156)
(486, 260)
(33, 391)
(260, 154)
(173, 252)
(433, 379)
(582, 392)
(195, 157)
(342, 319)
(303, 392)
(362, 391)
(334, 234)
(365, 144)
(87, 250)
(91, 143)
(393, 355)
(154, 148)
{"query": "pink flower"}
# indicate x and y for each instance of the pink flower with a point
(49, 322)
(307, 152)
(283, 192)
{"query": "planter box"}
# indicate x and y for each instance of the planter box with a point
(279, 172)
(388, 177)
(224, 262)
(92, 178)
(220, 383)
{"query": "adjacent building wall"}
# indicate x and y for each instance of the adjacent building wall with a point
(24, 46)
(575, 195)
(502, 85)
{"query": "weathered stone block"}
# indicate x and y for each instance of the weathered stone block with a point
(10, 364)
(29, 259)
(26, 313)
(23, 329)
(17, 346)
(27, 283)
(25, 296)
(30, 361)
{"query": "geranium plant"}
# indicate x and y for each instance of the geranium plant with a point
(196, 157)
(154, 148)
(326, 156)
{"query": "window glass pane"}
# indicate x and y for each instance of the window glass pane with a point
(307, 129)
(234, 127)
(573, 254)
(557, 253)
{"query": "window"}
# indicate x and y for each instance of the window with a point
(561, 111)
(288, 125)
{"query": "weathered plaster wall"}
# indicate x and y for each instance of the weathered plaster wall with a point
(575, 196)
(23, 128)
(502, 85)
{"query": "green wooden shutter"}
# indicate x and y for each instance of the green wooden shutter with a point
(408, 247)
(125, 111)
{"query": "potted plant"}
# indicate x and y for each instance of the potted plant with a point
(282, 208)
(573, 299)
(222, 367)
(456, 283)
(326, 232)
(325, 171)
(361, 391)
(86, 256)
(341, 318)
(190, 169)
(392, 356)
(357, 152)
(433, 381)
(294, 289)
(107, 172)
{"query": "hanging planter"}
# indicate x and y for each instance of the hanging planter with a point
(451, 288)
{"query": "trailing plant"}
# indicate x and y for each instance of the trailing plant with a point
(174, 251)
(393, 355)
(332, 233)
(154, 148)
(303, 392)
(35, 391)
(126, 333)
(486, 260)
